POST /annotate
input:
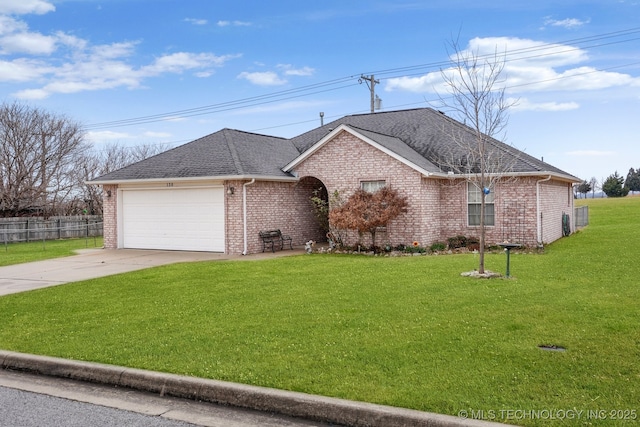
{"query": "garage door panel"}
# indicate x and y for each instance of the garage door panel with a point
(175, 219)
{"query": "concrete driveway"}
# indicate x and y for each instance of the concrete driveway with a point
(92, 263)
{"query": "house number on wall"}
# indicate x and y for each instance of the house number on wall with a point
(169, 184)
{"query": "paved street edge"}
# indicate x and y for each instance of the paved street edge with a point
(295, 404)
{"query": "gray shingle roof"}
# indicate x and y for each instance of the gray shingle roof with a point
(398, 146)
(428, 133)
(225, 153)
(421, 136)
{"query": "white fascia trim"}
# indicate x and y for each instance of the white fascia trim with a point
(196, 179)
(561, 177)
(346, 128)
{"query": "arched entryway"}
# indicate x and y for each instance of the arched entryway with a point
(315, 192)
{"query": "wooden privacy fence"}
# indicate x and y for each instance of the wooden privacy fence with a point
(64, 227)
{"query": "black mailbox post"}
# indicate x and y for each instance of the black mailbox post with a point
(507, 247)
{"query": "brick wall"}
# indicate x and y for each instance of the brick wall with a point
(110, 215)
(233, 217)
(556, 198)
(438, 207)
(342, 163)
(515, 210)
(270, 205)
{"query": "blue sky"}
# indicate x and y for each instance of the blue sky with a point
(138, 72)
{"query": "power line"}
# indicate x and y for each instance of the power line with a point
(434, 100)
(232, 105)
(545, 46)
(348, 81)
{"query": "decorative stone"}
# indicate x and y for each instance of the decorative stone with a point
(486, 275)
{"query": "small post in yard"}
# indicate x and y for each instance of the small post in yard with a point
(507, 247)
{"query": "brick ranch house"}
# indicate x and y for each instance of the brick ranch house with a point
(216, 193)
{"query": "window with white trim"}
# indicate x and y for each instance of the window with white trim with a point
(372, 186)
(474, 200)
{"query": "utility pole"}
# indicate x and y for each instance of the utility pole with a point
(371, 83)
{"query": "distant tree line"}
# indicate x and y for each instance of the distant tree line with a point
(45, 161)
(613, 186)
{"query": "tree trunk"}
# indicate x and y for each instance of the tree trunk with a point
(482, 229)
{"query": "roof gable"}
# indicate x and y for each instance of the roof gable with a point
(390, 145)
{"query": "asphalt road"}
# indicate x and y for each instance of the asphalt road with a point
(28, 400)
(25, 409)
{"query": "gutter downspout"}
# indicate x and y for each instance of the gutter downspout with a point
(244, 212)
(538, 213)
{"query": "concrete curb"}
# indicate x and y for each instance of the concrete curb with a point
(295, 404)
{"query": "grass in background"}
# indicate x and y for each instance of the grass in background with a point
(408, 332)
(17, 253)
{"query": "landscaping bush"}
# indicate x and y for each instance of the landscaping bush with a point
(457, 242)
(415, 248)
(473, 244)
(438, 247)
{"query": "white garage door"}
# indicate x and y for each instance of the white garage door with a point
(190, 219)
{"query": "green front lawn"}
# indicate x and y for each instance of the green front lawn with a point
(407, 332)
(18, 253)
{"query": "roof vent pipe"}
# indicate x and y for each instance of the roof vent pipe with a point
(321, 118)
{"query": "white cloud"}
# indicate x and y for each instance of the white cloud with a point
(527, 51)
(22, 70)
(233, 23)
(32, 94)
(290, 71)
(174, 119)
(272, 78)
(113, 50)
(107, 135)
(524, 104)
(266, 78)
(71, 42)
(10, 25)
(426, 83)
(23, 7)
(196, 21)
(569, 23)
(63, 63)
(150, 134)
(102, 69)
(28, 43)
(182, 61)
(531, 67)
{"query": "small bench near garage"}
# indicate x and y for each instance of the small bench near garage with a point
(274, 239)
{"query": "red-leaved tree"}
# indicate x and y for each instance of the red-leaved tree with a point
(365, 212)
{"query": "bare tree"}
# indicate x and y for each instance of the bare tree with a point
(477, 99)
(45, 161)
(37, 158)
(112, 157)
(593, 182)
